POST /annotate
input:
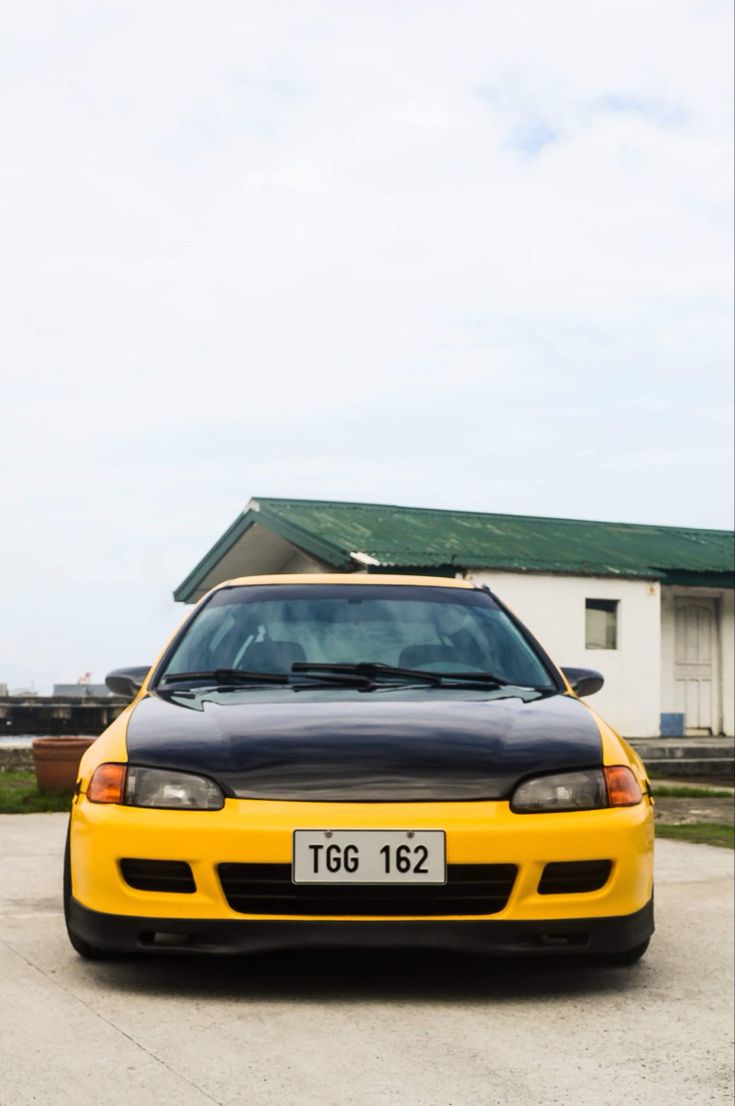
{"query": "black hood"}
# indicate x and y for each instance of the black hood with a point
(400, 746)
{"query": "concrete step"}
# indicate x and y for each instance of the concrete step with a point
(681, 752)
(712, 757)
(655, 748)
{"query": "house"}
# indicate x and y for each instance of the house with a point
(651, 607)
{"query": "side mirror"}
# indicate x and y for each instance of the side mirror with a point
(584, 681)
(126, 681)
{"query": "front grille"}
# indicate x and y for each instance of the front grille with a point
(158, 875)
(571, 877)
(267, 889)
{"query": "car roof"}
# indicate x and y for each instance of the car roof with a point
(347, 578)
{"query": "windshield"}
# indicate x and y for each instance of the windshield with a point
(440, 629)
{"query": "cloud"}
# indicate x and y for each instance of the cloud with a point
(660, 112)
(531, 136)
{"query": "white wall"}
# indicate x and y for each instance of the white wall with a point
(553, 608)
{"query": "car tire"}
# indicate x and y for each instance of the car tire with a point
(82, 948)
(627, 956)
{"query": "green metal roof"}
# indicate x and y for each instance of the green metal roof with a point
(385, 536)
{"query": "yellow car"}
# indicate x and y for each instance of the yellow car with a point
(363, 760)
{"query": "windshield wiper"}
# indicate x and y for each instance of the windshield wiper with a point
(373, 670)
(234, 677)
(230, 676)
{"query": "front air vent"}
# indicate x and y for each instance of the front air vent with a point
(574, 877)
(158, 875)
(267, 889)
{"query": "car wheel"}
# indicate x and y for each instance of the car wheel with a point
(86, 951)
(628, 956)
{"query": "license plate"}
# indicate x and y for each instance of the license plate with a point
(369, 856)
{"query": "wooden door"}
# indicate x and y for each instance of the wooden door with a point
(696, 673)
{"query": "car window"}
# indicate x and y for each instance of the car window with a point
(442, 629)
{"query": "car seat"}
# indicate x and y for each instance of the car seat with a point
(272, 656)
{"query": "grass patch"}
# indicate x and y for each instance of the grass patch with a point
(700, 833)
(19, 794)
(688, 791)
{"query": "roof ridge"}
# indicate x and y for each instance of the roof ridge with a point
(488, 514)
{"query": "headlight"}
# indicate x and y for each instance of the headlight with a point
(160, 788)
(153, 787)
(567, 791)
(590, 790)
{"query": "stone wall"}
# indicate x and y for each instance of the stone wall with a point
(12, 759)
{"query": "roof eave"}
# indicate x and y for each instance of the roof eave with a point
(683, 578)
(188, 587)
(322, 550)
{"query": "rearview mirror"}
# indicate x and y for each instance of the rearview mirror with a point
(126, 681)
(584, 681)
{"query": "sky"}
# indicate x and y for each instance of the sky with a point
(449, 253)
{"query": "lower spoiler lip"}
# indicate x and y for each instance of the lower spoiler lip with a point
(564, 937)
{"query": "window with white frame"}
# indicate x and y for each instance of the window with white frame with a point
(601, 623)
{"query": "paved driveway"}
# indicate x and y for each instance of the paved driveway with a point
(416, 1029)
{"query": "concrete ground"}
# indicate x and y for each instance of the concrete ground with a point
(367, 1029)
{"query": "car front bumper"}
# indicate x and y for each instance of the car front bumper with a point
(107, 912)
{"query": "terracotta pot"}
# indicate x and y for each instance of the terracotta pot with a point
(56, 760)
